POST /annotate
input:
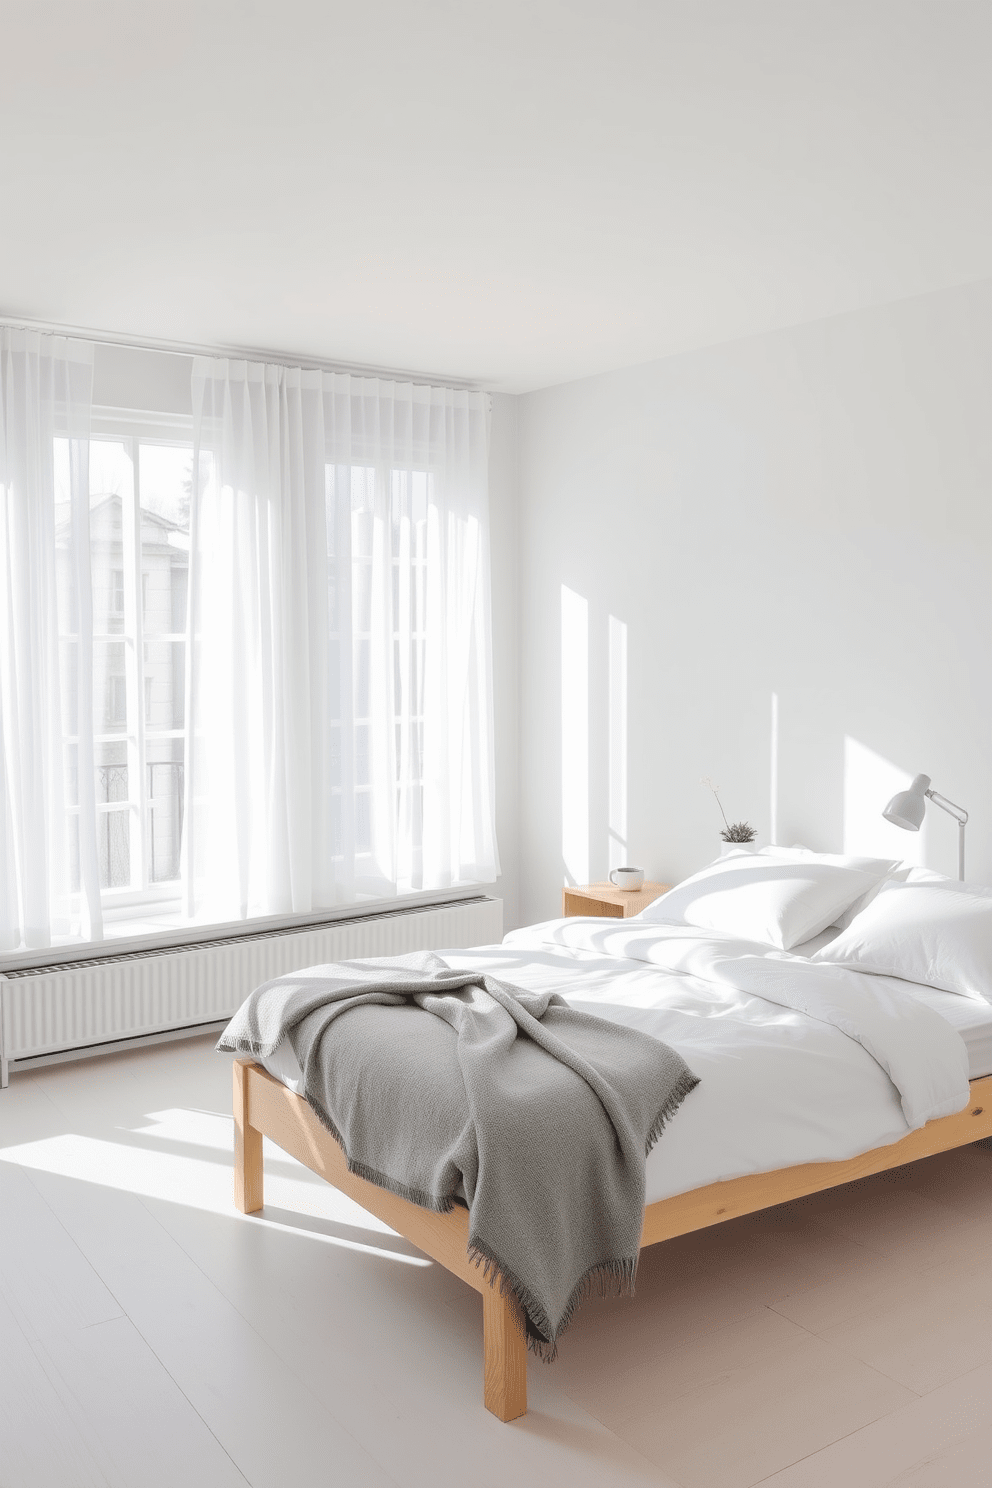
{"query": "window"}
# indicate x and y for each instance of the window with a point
(140, 492)
(354, 721)
(139, 558)
(332, 742)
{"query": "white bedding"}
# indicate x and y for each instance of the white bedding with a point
(971, 1018)
(779, 1086)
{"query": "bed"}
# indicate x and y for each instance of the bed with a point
(812, 1074)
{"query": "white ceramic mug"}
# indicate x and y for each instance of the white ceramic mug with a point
(627, 878)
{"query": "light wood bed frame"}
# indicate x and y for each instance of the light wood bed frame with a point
(264, 1107)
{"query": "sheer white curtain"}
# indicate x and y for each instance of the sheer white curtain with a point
(340, 693)
(49, 880)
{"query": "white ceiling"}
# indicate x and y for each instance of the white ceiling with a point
(517, 192)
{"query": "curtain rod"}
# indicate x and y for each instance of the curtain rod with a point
(241, 353)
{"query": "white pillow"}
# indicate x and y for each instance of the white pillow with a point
(906, 873)
(881, 866)
(935, 933)
(777, 896)
(893, 870)
(884, 867)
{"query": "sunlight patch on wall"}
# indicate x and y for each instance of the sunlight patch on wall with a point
(574, 736)
(617, 759)
(870, 782)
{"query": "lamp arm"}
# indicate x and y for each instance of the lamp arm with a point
(958, 812)
(960, 816)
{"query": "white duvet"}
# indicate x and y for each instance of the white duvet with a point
(798, 1062)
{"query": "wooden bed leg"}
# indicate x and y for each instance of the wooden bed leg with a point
(247, 1147)
(506, 1354)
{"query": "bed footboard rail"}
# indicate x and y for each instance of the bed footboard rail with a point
(718, 1202)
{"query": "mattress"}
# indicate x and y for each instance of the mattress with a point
(777, 1087)
(973, 1021)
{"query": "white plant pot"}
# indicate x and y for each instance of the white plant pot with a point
(730, 847)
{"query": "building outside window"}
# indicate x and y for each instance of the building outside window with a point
(139, 550)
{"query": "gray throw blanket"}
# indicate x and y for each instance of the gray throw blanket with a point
(541, 1115)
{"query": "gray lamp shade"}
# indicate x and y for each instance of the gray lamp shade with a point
(907, 808)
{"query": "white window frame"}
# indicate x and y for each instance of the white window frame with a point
(133, 428)
(384, 473)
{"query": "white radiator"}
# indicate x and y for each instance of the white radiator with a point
(113, 999)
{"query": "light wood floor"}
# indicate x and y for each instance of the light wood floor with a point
(151, 1335)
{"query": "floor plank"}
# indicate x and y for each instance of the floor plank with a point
(44, 1276)
(138, 1424)
(264, 1416)
(41, 1445)
(942, 1426)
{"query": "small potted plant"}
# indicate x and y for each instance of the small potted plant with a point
(734, 834)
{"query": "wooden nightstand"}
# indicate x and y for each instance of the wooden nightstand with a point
(606, 899)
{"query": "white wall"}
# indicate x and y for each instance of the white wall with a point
(803, 516)
(132, 377)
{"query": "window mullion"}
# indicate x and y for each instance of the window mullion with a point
(134, 668)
